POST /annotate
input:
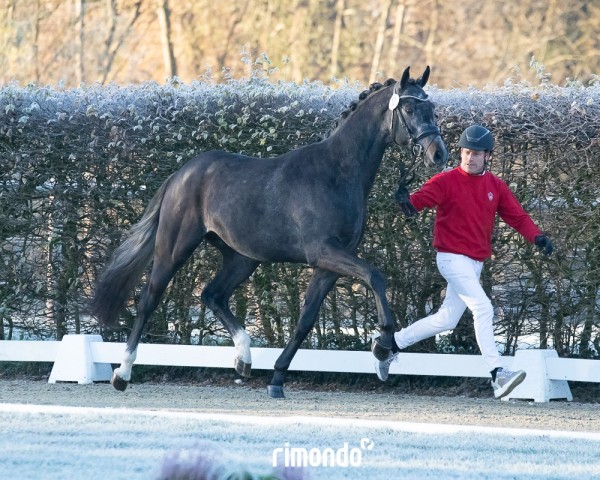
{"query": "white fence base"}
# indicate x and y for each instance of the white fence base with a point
(86, 359)
(74, 361)
(537, 385)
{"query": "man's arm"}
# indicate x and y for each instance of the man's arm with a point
(511, 211)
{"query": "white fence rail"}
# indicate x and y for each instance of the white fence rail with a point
(86, 359)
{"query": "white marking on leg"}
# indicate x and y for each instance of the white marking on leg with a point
(241, 340)
(124, 371)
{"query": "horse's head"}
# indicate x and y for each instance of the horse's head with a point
(413, 119)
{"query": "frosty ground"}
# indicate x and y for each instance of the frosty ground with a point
(68, 430)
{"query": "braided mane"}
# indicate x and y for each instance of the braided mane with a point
(352, 107)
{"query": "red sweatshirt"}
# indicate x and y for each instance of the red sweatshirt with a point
(466, 210)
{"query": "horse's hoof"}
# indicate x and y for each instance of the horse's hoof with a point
(242, 368)
(275, 391)
(118, 383)
(381, 353)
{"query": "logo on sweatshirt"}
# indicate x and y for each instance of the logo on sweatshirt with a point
(490, 196)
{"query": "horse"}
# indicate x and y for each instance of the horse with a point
(306, 206)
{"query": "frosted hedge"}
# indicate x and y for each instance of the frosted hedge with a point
(78, 167)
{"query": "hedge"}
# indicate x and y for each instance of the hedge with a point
(79, 166)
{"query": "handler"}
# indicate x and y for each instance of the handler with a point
(466, 199)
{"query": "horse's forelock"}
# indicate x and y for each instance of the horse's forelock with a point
(413, 83)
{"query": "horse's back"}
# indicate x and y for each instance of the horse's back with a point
(271, 209)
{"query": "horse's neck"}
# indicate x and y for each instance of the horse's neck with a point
(359, 144)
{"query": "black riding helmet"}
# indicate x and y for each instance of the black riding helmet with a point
(477, 137)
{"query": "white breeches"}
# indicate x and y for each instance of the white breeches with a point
(463, 291)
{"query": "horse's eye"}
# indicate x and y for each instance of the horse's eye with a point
(409, 110)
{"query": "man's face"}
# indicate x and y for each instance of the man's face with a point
(472, 161)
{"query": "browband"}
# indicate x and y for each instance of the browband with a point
(395, 99)
(421, 99)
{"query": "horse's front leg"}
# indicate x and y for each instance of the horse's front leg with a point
(382, 345)
(319, 286)
(346, 264)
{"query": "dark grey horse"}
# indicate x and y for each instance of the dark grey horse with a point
(306, 206)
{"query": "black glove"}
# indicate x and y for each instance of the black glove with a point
(545, 244)
(403, 199)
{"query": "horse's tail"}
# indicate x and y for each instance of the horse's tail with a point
(127, 264)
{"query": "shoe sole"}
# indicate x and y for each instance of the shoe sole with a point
(509, 387)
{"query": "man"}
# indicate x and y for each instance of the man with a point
(466, 199)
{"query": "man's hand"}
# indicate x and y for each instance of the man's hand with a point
(403, 199)
(544, 244)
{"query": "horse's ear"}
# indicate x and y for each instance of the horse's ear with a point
(405, 77)
(423, 79)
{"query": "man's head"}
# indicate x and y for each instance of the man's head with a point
(476, 144)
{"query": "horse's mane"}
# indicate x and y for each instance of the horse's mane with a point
(352, 107)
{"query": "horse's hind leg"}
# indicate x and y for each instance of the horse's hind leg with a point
(235, 269)
(319, 286)
(149, 298)
(170, 253)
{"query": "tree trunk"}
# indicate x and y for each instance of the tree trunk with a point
(164, 18)
(80, 12)
(429, 47)
(113, 44)
(337, 32)
(395, 45)
(383, 20)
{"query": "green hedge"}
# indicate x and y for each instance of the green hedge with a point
(78, 167)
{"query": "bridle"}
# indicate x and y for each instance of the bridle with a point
(417, 149)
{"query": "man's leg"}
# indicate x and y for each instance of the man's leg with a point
(470, 291)
(444, 319)
(452, 267)
(462, 273)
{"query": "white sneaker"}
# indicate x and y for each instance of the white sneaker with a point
(506, 381)
(382, 368)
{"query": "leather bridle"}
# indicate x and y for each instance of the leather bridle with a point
(417, 149)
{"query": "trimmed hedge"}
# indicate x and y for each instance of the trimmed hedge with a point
(79, 166)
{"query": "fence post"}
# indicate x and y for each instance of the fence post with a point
(74, 362)
(537, 386)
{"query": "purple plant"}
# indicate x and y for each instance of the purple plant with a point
(206, 462)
